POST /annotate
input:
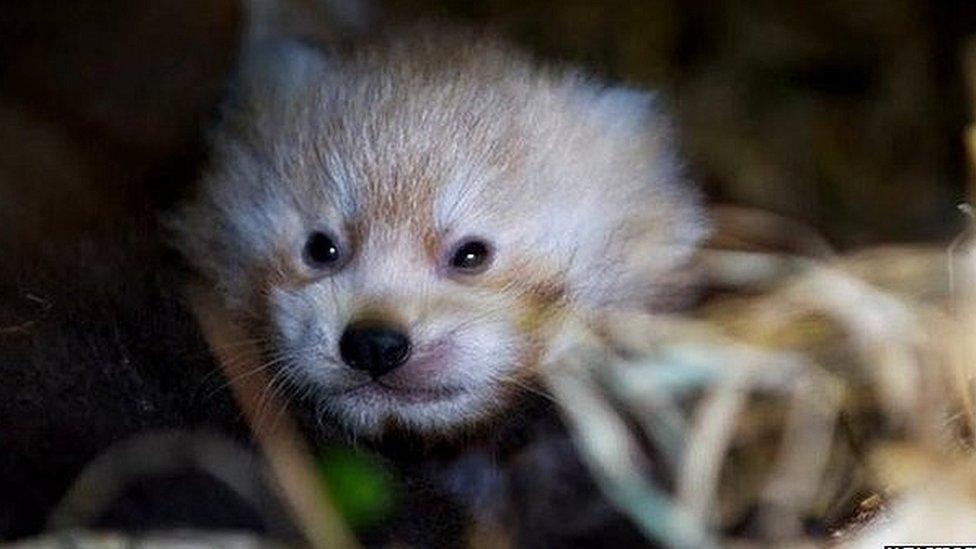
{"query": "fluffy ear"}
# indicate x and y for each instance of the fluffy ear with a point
(273, 73)
(664, 223)
(278, 54)
(625, 107)
(320, 20)
(630, 114)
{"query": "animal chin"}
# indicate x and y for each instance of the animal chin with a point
(379, 392)
(371, 408)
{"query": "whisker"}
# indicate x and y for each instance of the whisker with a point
(538, 391)
(250, 372)
(268, 396)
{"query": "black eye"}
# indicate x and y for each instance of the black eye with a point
(321, 251)
(471, 257)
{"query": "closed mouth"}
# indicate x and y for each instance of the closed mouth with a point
(411, 395)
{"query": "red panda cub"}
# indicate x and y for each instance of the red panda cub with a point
(407, 225)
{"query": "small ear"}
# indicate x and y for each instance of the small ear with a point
(273, 72)
(278, 50)
(624, 101)
(320, 20)
(625, 109)
(664, 227)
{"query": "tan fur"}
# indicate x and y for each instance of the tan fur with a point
(402, 148)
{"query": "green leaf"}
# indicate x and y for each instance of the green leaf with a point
(359, 486)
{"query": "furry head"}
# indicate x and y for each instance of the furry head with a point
(406, 226)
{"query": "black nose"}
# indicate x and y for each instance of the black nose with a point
(373, 347)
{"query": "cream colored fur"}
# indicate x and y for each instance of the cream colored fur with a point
(401, 148)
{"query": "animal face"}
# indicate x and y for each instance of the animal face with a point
(408, 227)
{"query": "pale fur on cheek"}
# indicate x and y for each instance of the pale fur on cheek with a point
(403, 163)
(481, 335)
(306, 333)
(482, 351)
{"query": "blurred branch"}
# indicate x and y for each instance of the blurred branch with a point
(287, 454)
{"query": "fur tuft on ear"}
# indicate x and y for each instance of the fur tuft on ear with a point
(625, 107)
(280, 48)
(661, 221)
(320, 20)
(273, 73)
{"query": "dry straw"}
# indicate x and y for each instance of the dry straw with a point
(811, 391)
(809, 394)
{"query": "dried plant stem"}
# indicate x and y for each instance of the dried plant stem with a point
(287, 454)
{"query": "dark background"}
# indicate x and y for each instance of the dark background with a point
(845, 114)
